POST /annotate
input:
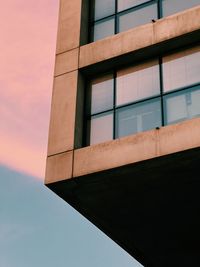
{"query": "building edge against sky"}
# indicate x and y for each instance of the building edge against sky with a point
(131, 187)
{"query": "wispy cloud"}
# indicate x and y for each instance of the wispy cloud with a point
(26, 65)
(22, 155)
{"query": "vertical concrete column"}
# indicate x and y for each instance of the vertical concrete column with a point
(69, 25)
(63, 110)
(65, 86)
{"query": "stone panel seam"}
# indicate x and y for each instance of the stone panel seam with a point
(157, 142)
(79, 57)
(59, 153)
(73, 161)
(55, 76)
(67, 50)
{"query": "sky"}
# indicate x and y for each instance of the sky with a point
(37, 228)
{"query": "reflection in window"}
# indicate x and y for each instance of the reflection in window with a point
(137, 82)
(181, 69)
(182, 105)
(125, 4)
(103, 28)
(101, 128)
(103, 8)
(137, 17)
(102, 94)
(138, 118)
(174, 6)
(109, 17)
(135, 99)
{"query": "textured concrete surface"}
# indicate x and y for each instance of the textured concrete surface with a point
(69, 24)
(63, 112)
(138, 147)
(141, 190)
(140, 37)
(66, 62)
(59, 167)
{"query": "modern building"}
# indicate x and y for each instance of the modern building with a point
(124, 136)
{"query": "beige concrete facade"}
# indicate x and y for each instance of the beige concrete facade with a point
(140, 37)
(59, 167)
(138, 147)
(141, 190)
(66, 62)
(64, 96)
(66, 116)
(69, 25)
(63, 113)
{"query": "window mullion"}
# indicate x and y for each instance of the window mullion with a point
(114, 104)
(159, 3)
(161, 89)
(116, 22)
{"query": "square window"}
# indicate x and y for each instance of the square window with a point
(139, 117)
(101, 94)
(101, 128)
(182, 105)
(103, 8)
(137, 82)
(181, 69)
(103, 28)
(133, 18)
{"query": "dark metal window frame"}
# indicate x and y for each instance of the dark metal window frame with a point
(117, 14)
(115, 108)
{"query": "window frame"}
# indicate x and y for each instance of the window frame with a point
(161, 94)
(117, 14)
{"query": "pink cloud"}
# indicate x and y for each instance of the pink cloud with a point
(27, 47)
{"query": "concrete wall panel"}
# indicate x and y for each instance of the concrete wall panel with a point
(178, 137)
(140, 37)
(138, 147)
(62, 122)
(69, 24)
(116, 45)
(115, 153)
(66, 62)
(177, 24)
(59, 167)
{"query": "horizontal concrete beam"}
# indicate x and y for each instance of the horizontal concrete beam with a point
(142, 146)
(140, 37)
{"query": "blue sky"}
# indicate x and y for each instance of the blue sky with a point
(37, 228)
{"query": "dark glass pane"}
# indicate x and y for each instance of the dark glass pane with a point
(174, 6)
(101, 128)
(125, 4)
(102, 93)
(181, 69)
(144, 15)
(137, 82)
(138, 117)
(103, 8)
(103, 29)
(182, 105)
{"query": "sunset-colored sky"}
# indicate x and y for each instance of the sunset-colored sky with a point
(37, 228)
(27, 47)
